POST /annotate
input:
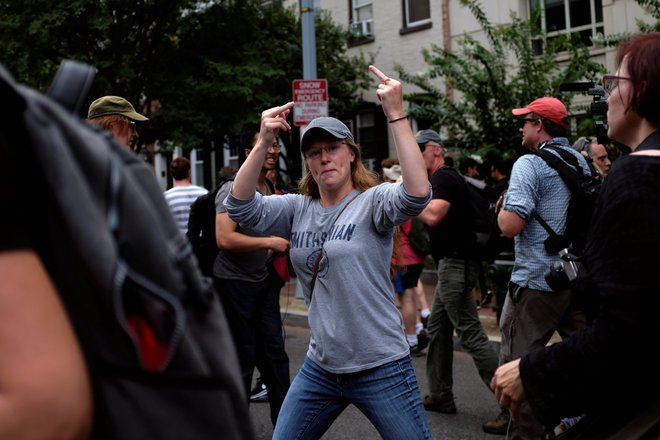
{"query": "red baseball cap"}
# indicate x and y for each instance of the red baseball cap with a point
(548, 108)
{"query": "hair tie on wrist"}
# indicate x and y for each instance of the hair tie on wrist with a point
(398, 119)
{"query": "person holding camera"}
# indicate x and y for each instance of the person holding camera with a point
(604, 370)
(532, 311)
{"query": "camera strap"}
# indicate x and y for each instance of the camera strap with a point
(317, 263)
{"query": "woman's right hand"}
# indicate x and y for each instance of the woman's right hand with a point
(508, 387)
(272, 121)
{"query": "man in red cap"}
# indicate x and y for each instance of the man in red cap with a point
(532, 311)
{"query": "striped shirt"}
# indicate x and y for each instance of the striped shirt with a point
(179, 199)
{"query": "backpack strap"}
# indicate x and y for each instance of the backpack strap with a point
(71, 84)
(567, 166)
(571, 173)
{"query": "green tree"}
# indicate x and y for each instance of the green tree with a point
(212, 65)
(238, 58)
(652, 8)
(491, 80)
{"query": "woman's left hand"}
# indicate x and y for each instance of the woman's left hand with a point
(390, 94)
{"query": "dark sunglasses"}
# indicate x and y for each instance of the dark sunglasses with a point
(523, 121)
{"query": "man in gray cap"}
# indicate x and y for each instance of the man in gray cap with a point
(447, 218)
(116, 115)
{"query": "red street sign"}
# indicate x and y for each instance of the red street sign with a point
(311, 98)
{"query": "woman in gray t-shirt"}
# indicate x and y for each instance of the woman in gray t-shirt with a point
(341, 229)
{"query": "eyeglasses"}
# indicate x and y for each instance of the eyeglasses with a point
(275, 148)
(422, 147)
(523, 121)
(131, 124)
(611, 82)
(330, 150)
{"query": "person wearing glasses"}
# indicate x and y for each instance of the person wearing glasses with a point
(532, 311)
(116, 115)
(249, 290)
(604, 370)
(341, 228)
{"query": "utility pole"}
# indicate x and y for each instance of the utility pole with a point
(308, 38)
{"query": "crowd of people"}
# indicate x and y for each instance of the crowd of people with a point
(598, 382)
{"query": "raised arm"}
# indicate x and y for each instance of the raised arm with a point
(413, 169)
(272, 121)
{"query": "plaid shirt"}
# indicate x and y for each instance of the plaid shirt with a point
(535, 186)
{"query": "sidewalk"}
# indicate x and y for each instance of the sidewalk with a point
(294, 310)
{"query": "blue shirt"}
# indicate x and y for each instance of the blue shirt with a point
(535, 186)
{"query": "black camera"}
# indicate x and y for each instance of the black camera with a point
(598, 105)
(562, 274)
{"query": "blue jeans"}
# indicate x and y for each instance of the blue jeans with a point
(387, 395)
(454, 308)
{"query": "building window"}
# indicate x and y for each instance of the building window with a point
(416, 12)
(584, 17)
(362, 18)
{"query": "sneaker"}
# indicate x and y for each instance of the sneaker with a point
(424, 320)
(415, 351)
(485, 300)
(500, 425)
(422, 340)
(445, 406)
(259, 393)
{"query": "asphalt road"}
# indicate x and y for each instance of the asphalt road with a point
(474, 401)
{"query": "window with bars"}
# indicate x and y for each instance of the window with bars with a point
(584, 17)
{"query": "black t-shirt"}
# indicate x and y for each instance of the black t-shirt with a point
(452, 236)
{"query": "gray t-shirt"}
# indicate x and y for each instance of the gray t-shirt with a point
(246, 266)
(354, 322)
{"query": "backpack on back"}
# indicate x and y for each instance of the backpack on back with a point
(584, 192)
(483, 224)
(418, 238)
(157, 346)
(201, 229)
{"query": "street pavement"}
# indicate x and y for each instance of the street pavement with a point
(474, 400)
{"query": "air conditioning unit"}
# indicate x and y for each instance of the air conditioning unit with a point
(362, 28)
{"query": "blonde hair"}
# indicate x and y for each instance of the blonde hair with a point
(361, 177)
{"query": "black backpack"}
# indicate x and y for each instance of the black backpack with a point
(485, 245)
(157, 346)
(201, 229)
(584, 192)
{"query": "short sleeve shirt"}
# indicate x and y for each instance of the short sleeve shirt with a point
(451, 237)
(536, 187)
(245, 266)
